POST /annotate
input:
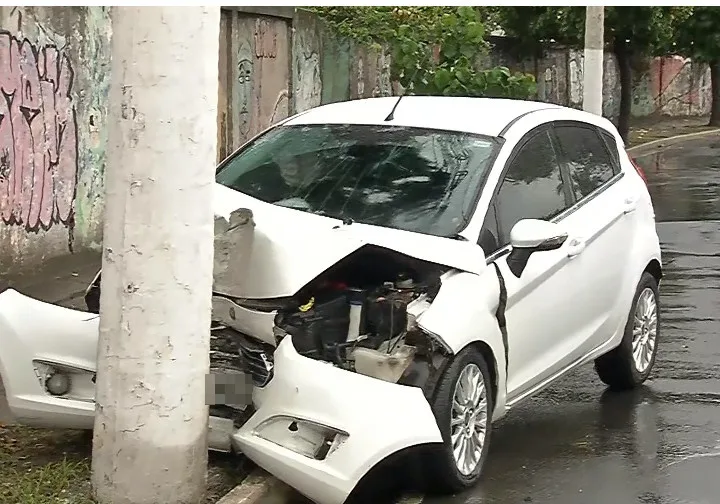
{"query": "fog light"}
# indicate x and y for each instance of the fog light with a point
(65, 382)
(58, 384)
(303, 437)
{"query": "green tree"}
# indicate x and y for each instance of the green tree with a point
(434, 50)
(699, 38)
(631, 33)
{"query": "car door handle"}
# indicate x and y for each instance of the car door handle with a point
(575, 247)
(629, 205)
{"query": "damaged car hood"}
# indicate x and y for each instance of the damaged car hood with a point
(289, 248)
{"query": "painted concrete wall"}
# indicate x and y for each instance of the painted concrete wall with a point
(285, 61)
(273, 62)
(670, 86)
(54, 69)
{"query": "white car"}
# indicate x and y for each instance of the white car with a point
(417, 268)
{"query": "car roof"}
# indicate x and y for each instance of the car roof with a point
(482, 116)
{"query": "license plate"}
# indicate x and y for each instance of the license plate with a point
(232, 389)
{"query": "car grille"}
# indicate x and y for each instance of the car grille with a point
(232, 350)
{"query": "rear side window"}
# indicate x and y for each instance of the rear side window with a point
(589, 162)
(611, 145)
(532, 188)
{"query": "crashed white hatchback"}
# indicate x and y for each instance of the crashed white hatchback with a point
(417, 267)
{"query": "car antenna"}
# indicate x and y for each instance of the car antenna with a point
(391, 115)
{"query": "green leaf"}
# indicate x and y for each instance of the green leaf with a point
(409, 35)
(442, 78)
(475, 31)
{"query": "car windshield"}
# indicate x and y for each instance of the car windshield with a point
(406, 178)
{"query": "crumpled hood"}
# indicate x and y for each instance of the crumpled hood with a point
(291, 247)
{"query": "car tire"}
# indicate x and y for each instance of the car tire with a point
(622, 368)
(445, 474)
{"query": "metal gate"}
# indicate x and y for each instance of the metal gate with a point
(254, 87)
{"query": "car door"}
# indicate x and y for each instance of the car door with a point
(540, 338)
(602, 220)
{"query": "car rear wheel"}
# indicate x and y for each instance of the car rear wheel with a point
(463, 407)
(629, 365)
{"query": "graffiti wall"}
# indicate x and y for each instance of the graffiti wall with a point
(38, 135)
(54, 63)
(671, 86)
(278, 61)
(256, 89)
(273, 62)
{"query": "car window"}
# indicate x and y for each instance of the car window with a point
(532, 188)
(488, 239)
(589, 161)
(413, 179)
(611, 145)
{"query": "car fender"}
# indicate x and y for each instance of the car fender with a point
(464, 313)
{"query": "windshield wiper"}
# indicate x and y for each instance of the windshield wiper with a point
(345, 220)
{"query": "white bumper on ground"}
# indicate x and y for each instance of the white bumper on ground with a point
(373, 418)
(32, 334)
(376, 419)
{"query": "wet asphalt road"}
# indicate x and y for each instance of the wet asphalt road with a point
(577, 443)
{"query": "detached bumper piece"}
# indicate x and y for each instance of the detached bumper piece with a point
(47, 362)
(320, 429)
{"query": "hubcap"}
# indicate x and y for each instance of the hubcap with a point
(644, 330)
(468, 419)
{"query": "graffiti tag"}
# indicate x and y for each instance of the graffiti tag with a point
(38, 135)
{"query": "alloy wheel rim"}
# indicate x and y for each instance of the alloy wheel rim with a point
(468, 419)
(644, 330)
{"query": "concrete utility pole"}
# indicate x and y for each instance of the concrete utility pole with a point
(150, 440)
(593, 62)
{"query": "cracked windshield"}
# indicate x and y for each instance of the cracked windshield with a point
(406, 178)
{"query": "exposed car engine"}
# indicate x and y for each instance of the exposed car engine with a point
(361, 315)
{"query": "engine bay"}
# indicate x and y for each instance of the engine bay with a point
(360, 315)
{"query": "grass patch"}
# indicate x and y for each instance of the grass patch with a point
(44, 466)
(63, 482)
(39, 466)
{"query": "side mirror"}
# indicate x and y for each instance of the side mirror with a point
(529, 236)
(537, 235)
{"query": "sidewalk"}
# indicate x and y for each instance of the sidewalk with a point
(61, 280)
(648, 129)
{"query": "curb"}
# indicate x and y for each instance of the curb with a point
(666, 142)
(260, 487)
(253, 488)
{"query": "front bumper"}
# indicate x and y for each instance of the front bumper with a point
(375, 418)
(379, 418)
(33, 332)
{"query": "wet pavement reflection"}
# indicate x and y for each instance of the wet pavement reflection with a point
(576, 442)
(685, 180)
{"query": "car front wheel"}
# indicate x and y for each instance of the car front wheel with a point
(629, 365)
(463, 407)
